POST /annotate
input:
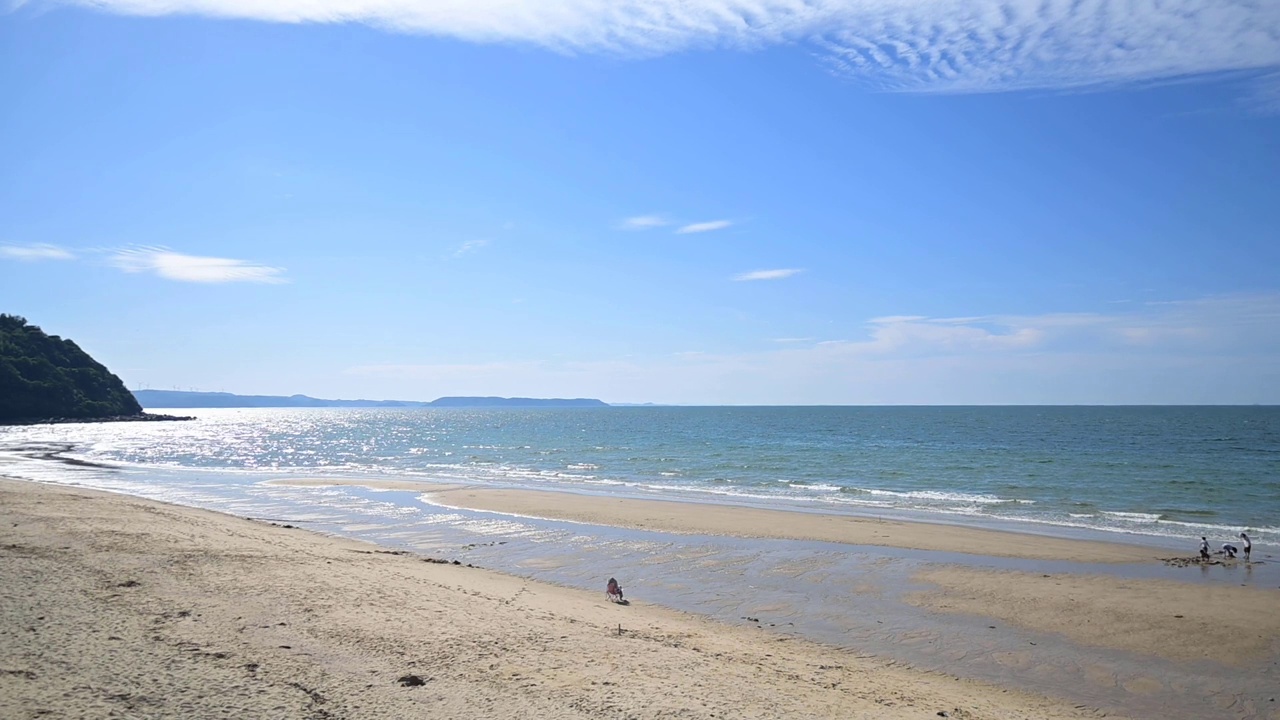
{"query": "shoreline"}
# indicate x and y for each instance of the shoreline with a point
(693, 518)
(140, 417)
(120, 604)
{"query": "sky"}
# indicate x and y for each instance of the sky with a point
(669, 201)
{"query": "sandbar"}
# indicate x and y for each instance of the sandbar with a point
(738, 521)
(708, 519)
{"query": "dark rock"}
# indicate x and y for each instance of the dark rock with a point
(411, 680)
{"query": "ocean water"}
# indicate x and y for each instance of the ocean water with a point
(1170, 473)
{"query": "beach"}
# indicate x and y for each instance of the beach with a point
(117, 604)
(120, 605)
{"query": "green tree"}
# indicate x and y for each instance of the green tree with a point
(45, 376)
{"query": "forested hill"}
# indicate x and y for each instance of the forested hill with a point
(45, 377)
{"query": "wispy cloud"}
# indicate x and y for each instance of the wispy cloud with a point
(644, 222)
(767, 274)
(1264, 95)
(193, 268)
(35, 253)
(469, 247)
(1209, 350)
(1205, 325)
(947, 45)
(702, 227)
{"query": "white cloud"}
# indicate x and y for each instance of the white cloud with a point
(704, 226)
(644, 222)
(947, 45)
(914, 334)
(469, 247)
(768, 274)
(1202, 325)
(193, 268)
(35, 253)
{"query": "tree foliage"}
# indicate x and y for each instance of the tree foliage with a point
(43, 376)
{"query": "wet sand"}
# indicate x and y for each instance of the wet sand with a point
(114, 605)
(707, 519)
(1104, 635)
(1178, 621)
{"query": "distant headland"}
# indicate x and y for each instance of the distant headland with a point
(186, 399)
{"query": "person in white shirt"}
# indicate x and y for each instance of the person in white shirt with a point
(1204, 548)
(1248, 546)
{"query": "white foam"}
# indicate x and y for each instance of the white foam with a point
(1136, 516)
(944, 496)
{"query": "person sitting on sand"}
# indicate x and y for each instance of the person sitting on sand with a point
(1229, 550)
(1204, 548)
(613, 591)
(1248, 546)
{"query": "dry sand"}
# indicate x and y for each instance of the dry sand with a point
(113, 606)
(1180, 621)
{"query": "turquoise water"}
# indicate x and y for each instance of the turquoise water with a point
(1171, 472)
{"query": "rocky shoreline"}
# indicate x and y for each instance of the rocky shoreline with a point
(141, 417)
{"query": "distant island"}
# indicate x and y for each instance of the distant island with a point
(189, 399)
(516, 402)
(44, 378)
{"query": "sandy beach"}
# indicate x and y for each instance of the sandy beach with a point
(117, 606)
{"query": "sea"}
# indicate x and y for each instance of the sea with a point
(1155, 476)
(1143, 473)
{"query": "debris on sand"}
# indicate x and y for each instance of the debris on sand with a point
(1189, 561)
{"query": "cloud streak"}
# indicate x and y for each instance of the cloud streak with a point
(644, 222)
(702, 227)
(35, 253)
(767, 274)
(914, 45)
(171, 265)
(469, 247)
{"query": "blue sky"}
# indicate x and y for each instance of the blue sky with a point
(777, 201)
